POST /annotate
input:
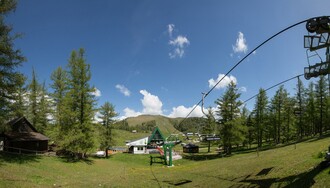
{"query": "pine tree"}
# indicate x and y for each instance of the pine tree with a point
(10, 59)
(229, 111)
(107, 112)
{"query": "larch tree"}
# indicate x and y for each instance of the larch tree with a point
(310, 113)
(260, 113)
(229, 111)
(107, 113)
(276, 109)
(79, 107)
(34, 98)
(60, 88)
(289, 131)
(209, 127)
(10, 60)
(245, 114)
(44, 109)
(321, 100)
(300, 108)
(19, 104)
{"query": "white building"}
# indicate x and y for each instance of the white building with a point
(148, 144)
(138, 146)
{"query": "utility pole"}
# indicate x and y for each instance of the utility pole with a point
(328, 60)
(300, 108)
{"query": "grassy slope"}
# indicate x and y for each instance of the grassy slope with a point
(273, 168)
(164, 123)
(121, 136)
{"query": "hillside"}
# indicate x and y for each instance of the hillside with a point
(165, 124)
(168, 125)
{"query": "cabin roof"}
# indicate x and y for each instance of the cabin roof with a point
(22, 130)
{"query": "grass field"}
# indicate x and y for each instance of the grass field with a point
(280, 167)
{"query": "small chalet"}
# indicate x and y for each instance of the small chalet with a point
(148, 144)
(22, 137)
(190, 148)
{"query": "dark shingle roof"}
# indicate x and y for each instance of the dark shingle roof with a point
(22, 130)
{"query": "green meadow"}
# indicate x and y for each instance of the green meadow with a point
(291, 165)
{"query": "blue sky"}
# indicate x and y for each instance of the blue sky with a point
(156, 57)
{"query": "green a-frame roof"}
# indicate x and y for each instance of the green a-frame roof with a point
(156, 136)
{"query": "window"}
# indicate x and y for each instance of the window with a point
(140, 148)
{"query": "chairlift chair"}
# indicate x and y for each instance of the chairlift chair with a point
(321, 39)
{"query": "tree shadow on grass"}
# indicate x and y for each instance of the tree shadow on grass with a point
(201, 157)
(18, 158)
(305, 179)
(69, 159)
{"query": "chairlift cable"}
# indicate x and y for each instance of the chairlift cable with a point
(240, 61)
(273, 87)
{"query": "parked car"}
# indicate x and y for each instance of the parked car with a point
(100, 154)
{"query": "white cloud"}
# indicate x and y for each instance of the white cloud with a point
(182, 111)
(97, 118)
(131, 113)
(177, 52)
(151, 103)
(96, 92)
(241, 45)
(178, 44)
(170, 28)
(226, 80)
(243, 89)
(180, 41)
(122, 89)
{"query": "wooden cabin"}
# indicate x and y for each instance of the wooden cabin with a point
(22, 137)
(190, 148)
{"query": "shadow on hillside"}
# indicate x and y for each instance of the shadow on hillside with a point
(305, 179)
(178, 182)
(269, 147)
(17, 158)
(69, 159)
(201, 157)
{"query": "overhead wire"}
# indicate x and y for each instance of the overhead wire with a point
(238, 63)
(273, 87)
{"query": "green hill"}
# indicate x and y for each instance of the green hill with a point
(165, 124)
(168, 125)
